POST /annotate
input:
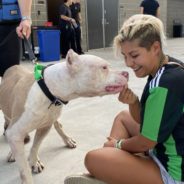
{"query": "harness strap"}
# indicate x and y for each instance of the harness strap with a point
(54, 100)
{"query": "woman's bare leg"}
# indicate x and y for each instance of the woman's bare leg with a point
(115, 166)
(124, 126)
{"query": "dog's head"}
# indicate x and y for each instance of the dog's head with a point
(92, 75)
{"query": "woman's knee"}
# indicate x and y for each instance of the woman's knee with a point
(101, 163)
(122, 116)
(93, 160)
(89, 160)
(125, 120)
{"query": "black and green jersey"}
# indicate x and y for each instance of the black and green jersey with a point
(163, 117)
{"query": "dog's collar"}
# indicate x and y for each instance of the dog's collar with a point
(54, 100)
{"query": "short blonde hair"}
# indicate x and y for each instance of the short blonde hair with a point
(146, 29)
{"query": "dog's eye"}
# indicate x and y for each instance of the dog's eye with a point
(104, 67)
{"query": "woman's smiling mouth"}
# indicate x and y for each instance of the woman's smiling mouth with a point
(137, 68)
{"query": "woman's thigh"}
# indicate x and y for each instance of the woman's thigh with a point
(115, 166)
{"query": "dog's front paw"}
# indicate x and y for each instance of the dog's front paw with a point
(10, 157)
(37, 167)
(71, 143)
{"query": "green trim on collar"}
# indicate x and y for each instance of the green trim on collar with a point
(38, 71)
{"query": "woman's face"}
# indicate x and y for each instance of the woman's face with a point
(142, 61)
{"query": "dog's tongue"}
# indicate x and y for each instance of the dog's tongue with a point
(113, 88)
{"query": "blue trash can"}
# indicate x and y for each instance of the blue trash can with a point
(49, 45)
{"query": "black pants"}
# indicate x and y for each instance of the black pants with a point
(78, 39)
(67, 40)
(10, 47)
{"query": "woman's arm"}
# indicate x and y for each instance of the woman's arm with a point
(127, 96)
(158, 12)
(142, 10)
(24, 27)
(69, 19)
(66, 18)
(137, 144)
(25, 7)
(135, 109)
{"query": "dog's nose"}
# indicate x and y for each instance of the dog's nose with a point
(125, 74)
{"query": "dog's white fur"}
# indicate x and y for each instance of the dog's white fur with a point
(25, 106)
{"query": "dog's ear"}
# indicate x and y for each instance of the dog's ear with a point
(72, 60)
(71, 57)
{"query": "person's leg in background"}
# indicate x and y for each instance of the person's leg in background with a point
(10, 47)
(78, 39)
(64, 42)
(72, 38)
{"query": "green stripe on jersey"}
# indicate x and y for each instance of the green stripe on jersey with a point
(174, 161)
(153, 112)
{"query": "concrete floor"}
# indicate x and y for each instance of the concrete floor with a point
(87, 120)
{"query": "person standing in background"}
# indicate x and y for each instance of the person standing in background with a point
(75, 10)
(10, 33)
(150, 7)
(66, 23)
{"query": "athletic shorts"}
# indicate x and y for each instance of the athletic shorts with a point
(167, 179)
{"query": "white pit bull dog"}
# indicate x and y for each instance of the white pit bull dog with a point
(28, 104)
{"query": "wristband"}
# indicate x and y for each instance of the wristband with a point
(119, 143)
(26, 18)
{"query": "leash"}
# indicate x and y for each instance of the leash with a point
(27, 45)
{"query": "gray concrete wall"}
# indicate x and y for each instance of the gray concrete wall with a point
(163, 13)
(129, 8)
(84, 25)
(39, 12)
(175, 11)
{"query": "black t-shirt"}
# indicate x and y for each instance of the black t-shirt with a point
(64, 10)
(162, 114)
(150, 7)
(75, 10)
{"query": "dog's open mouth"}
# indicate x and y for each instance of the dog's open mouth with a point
(114, 89)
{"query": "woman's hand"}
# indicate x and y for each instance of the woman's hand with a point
(24, 29)
(111, 142)
(127, 96)
(72, 21)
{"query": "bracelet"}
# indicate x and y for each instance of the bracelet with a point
(26, 18)
(119, 143)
